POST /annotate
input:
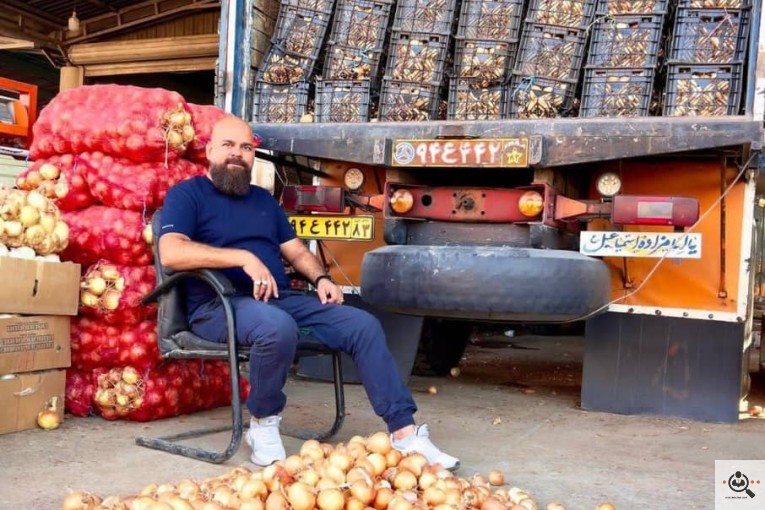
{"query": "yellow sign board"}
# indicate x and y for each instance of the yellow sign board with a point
(487, 152)
(339, 227)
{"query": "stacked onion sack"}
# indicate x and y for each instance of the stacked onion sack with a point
(106, 156)
(364, 474)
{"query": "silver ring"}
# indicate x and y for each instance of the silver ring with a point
(258, 282)
(265, 283)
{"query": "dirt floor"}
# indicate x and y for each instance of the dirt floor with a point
(514, 407)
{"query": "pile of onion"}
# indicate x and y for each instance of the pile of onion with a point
(102, 287)
(179, 132)
(365, 474)
(47, 179)
(120, 389)
(29, 218)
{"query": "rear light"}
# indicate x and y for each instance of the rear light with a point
(641, 210)
(313, 199)
(531, 204)
(401, 201)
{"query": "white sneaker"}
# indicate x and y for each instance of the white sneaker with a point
(265, 441)
(419, 442)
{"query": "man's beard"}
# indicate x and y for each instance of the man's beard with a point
(229, 180)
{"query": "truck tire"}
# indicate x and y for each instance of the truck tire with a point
(441, 347)
(485, 283)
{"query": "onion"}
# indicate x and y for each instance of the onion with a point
(62, 232)
(111, 300)
(187, 133)
(555, 506)
(147, 234)
(253, 504)
(427, 479)
(605, 506)
(276, 501)
(404, 480)
(49, 171)
(496, 477)
(34, 235)
(301, 496)
(378, 462)
(29, 216)
(309, 477)
(37, 200)
(33, 179)
(61, 189)
(89, 300)
(341, 460)
(253, 489)
(363, 492)
(492, 504)
(174, 139)
(13, 228)
(530, 504)
(414, 463)
(109, 272)
(330, 499)
(130, 375)
(80, 501)
(399, 503)
(383, 498)
(433, 496)
(96, 286)
(379, 442)
(49, 419)
(48, 222)
(393, 457)
(293, 464)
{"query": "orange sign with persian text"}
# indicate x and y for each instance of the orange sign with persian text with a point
(491, 152)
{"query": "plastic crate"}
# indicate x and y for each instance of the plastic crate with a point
(571, 13)
(346, 63)
(490, 20)
(361, 24)
(617, 92)
(425, 16)
(300, 31)
(486, 63)
(279, 103)
(714, 4)
(531, 97)
(616, 7)
(280, 67)
(316, 5)
(710, 36)
(626, 41)
(551, 52)
(403, 101)
(342, 101)
(467, 101)
(703, 90)
(417, 57)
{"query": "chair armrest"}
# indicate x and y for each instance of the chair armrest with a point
(212, 277)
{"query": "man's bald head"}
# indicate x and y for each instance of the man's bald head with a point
(231, 153)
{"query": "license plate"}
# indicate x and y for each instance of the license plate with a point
(347, 228)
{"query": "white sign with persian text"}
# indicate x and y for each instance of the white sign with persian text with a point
(640, 244)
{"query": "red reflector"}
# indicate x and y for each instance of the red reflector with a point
(639, 210)
(313, 199)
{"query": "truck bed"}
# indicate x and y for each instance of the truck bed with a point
(552, 142)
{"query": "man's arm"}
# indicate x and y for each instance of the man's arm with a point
(179, 253)
(306, 263)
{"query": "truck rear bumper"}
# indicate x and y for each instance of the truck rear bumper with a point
(485, 283)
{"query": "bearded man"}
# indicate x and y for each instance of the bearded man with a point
(221, 221)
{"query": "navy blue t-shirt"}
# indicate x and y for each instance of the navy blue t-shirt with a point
(253, 222)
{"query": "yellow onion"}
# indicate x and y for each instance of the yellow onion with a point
(49, 171)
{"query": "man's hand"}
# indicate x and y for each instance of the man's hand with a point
(263, 282)
(329, 292)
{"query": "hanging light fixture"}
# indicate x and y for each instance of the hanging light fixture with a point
(74, 21)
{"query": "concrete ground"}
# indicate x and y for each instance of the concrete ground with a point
(514, 407)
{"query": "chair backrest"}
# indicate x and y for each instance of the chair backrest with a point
(171, 316)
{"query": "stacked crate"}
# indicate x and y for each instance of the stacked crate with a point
(417, 53)
(549, 59)
(485, 49)
(706, 58)
(352, 61)
(623, 58)
(282, 82)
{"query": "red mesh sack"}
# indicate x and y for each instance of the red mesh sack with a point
(203, 118)
(96, 344)
(113, 293)
(122, 183)
(177, 171)
(100, 232)
(176, 387)
(141, 124)
(61, 178)
(80, 390)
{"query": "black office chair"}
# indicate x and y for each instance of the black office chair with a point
(176, 341)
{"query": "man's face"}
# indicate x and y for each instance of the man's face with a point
(231, 152)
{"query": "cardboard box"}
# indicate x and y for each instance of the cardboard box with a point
(22, 396)
(37, 287)
(34, 343)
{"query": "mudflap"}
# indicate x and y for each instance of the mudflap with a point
(641, 364)
(403, 335)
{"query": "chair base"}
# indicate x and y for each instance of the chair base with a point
(170, 443)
